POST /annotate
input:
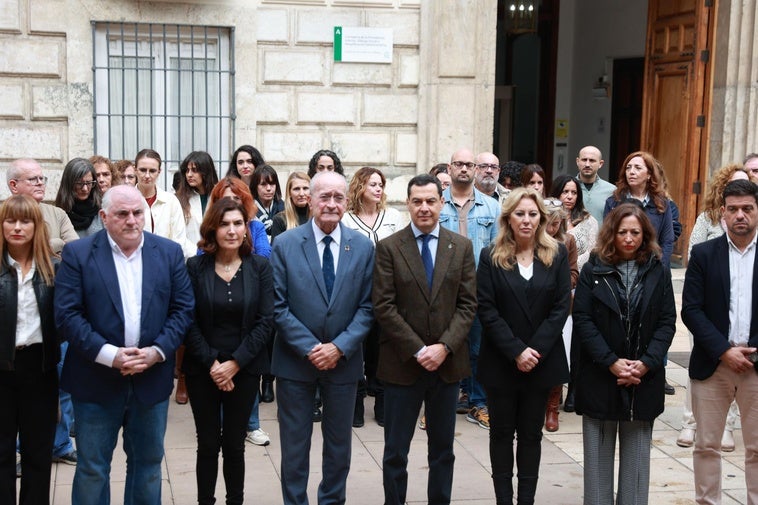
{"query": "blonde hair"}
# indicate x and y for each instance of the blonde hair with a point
(714, 198)
(358, 185)
(26, 207)
(290, 214)
(504, 246)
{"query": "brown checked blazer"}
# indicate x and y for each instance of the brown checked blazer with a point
(410, 316)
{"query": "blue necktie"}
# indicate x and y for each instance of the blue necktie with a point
(327, 265)
(426, 257)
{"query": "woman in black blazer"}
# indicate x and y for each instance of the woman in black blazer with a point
(226, 345)
(524, 288)
(29, 351)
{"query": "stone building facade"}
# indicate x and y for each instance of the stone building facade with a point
(290, 97)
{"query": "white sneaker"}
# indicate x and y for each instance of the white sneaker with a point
(727, 441)
(258, 437)
(686, 437)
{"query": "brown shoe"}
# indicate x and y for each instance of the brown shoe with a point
(181, 386)
(551, 413)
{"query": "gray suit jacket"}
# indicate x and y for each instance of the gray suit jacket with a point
(304, 316)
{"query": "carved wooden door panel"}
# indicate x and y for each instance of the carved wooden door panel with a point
(675, 103)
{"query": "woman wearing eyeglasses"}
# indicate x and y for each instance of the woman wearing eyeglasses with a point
(79, 196)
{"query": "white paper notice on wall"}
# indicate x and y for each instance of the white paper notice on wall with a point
(362, 45)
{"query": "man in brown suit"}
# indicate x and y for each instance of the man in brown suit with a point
(424, 297)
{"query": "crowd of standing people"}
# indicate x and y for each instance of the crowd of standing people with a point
(485, 303)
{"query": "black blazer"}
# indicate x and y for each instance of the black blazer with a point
(9, 313)
(255, 328)
(510, 324)
(705, 305)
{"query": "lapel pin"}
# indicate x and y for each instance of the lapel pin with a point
(347, 247)
(450, 246)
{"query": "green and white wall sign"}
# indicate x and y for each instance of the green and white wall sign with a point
(362, 45)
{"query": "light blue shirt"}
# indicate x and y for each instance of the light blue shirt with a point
(482, 219)
(433, 240)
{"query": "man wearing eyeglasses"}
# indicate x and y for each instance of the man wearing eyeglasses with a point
(473, 214)
(487, 174)
(123, 301)
(24, 177)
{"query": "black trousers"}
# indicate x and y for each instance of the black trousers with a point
(402, 404)
(221, 424)
(516, 410)
(29, 409)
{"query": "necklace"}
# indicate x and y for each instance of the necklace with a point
(227, 267)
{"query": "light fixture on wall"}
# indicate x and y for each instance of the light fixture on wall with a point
(521, 17)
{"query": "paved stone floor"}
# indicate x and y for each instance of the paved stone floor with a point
(560, 474)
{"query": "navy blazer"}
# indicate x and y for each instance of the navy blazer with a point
(89, 314)
(705, 305)
(303, 314)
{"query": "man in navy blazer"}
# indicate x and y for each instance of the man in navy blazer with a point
(124, 302)
(322, 312)
(719, 307)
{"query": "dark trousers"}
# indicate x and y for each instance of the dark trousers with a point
(295, 412)
(30, 408)
(519, 410)
(221, 423)
(402, 403)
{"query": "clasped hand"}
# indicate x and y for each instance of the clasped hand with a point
(133, 360)
(628, 372)
(223, 373)
(431, 357)
(527, 360)
(736, 358)
(324, 356)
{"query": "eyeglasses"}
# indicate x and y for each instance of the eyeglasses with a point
(461, 164)
(552, 202)
(490, 166)
(35, 181)
(84, 184)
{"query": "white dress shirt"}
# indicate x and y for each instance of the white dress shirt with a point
(129, 272)
(740, 291)
(28, 324)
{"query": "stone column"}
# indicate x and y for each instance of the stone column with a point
(734, 106)
(457, 78)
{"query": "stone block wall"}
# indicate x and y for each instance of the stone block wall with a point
(291, 97)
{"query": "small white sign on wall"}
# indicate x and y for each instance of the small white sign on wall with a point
(362, 44)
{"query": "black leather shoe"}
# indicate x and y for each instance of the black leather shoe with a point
(669, 389)
(267, 391)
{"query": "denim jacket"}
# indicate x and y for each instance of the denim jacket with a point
(482, 219)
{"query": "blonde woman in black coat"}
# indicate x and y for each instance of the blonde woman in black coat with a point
(624, 320)
(524, 290)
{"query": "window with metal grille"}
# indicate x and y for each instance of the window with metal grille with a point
(166, 87)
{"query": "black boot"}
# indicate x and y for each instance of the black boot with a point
(358, 420)
(379, 407)
(568, 405)
(503, 488)
(527, 488)
(267, 389)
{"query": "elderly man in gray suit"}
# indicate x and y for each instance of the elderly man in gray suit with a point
(322, 310)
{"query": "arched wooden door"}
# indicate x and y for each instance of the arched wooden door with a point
(675, 103)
